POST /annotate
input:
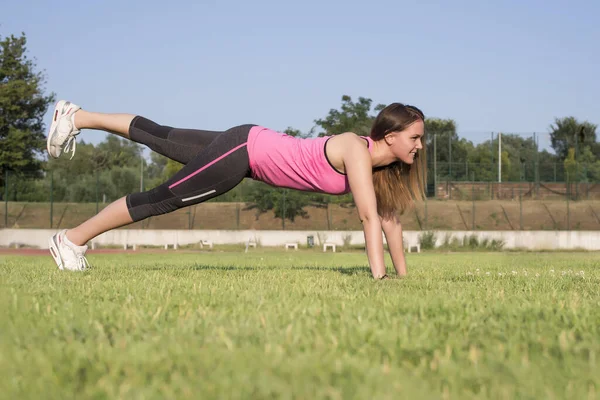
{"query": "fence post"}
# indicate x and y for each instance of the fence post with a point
(426, 214)
(520, 208)
(492, 155)
(576, 173)
(435, 165)
(450, 156)
(536, 164)
(568, 195)
(473, 198)
(283, 219)
(97, 188)
(6, 199)
(141, 171)
(587, 190)
(51, 197)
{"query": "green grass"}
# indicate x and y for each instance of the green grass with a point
(301, 325)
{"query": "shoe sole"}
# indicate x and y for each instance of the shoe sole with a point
(53, 247)
(55, 117)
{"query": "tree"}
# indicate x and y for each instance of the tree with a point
(444, 131)
(480, 160)
(448, 147)
(569, 133)
(439, 126)
(283, 202)
(117, 152)
(506, 165)
(298, 133)
(160, 169)
(522, 155)
(550, 168)
(155, 168)
(584, 169)
(86, 161)
(22, 109)
(353, 117)
(518, 159)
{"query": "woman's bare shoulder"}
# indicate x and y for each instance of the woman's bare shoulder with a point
(351, 139)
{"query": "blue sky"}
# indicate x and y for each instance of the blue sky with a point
(509, 66)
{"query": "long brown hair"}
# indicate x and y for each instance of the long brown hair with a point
(398, 185)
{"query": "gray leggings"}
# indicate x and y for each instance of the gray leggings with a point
(215, 162)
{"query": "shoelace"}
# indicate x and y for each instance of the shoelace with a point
(71, 142)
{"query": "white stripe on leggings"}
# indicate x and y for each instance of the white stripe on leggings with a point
(200, 195)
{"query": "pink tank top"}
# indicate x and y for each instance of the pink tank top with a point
(286, 161)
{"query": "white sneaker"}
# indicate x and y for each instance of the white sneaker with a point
(62, 130)
(66, 254)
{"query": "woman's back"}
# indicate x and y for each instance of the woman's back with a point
(286, 161)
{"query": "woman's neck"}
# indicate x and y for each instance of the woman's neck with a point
(381, 154)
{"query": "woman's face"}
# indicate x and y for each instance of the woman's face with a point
(406, 143)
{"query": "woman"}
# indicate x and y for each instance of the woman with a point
(380, 171)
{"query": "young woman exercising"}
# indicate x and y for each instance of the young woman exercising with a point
(379, 170)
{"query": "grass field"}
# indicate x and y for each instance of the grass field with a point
(301, 325)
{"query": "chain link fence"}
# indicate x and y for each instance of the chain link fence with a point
(53, 200)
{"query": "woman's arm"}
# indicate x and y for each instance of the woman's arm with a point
(358, 166)
(393, 235)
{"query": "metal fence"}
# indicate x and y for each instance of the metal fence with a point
(52, 200)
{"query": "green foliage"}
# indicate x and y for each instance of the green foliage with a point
(444, 132)
(571, 166)
(106, 171)
(516, 150)
(506, 165)
(427, 240)
(289, 204)
(22, 109)
(480, 157)
(470, 243)
(87, 160)
(28, 189)
(117, 152)
(84, 188)
(161, 170)
(352, 117)
(157, 164)
(568, 132)
(125, 179)
(285, 203)
(584, 169)
(297, 133)
(439, 126)
(549, 170)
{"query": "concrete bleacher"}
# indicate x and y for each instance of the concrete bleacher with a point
(329, 246)
(533, 240)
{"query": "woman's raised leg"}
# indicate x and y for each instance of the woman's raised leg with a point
(113, 123)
